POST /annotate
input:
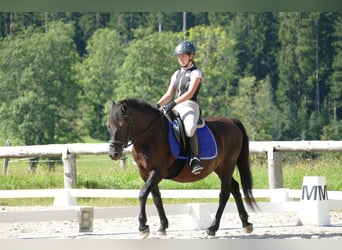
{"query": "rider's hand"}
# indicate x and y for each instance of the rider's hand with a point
(168, 107)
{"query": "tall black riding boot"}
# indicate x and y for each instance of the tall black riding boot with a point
(195, 162)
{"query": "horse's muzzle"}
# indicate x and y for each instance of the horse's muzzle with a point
(114, 155)
(115, 152)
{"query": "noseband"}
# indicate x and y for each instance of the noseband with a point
(120, 145)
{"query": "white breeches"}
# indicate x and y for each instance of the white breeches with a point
(189, 112)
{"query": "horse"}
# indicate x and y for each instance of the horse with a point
(138, 122)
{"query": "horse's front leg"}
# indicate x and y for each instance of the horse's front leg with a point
(158, 202)
(151, 182)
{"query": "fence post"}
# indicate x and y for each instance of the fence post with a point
(275, 171)
(32, 164)
(69, 163)
(6, 160)
(64, 197)
(123, 162)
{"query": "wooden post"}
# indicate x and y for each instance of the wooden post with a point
(275, 171)
(69, 163)
(6, 160)
(123, 162)
(32, 164)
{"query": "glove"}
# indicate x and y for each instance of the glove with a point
(168, 107)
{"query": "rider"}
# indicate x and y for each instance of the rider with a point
(184, 86)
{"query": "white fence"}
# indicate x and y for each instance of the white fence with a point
(282, 199)
(67, 152)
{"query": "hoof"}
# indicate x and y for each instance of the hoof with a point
(161, 234)
(210, 233)
(248, 229)
(144, 233)
(210, 237)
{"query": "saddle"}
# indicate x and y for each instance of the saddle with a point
(179, 142)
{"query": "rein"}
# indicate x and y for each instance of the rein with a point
(148, 127)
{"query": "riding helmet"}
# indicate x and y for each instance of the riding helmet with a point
(185, 47)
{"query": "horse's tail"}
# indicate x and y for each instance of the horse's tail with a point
(243, 164)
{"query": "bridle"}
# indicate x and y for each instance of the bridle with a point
(119, 145)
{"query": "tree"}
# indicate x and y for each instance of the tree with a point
(98, 76)
(38, 92)
(297, 62)
(336, 77)
(333, 130)
(120, 22)
(254, 106)
(148, 66)
(222, 19)
(257, 43)
(298, 52)
(325, 25)
(216, 57)
(267, 113)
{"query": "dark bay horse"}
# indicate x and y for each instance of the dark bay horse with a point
(138, 122)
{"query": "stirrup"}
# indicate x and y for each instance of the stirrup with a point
(196, 166)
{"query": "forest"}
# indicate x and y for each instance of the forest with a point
(280, 73)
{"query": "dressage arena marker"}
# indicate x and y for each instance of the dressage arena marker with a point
(85, 219)
(314, 205)
(198, 217)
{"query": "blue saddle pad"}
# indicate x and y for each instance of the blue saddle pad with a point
(207, 144)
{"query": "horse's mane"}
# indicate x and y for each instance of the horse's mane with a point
(141, 104)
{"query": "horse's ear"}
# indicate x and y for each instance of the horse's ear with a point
(111, 103)
(124, 106)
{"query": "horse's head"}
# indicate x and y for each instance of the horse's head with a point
(129, 120)
(119, 127)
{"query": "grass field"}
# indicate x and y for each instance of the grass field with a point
(100, 172)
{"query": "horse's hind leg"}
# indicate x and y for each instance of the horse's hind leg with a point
(248, 227)
(223, 198)
(158, 202)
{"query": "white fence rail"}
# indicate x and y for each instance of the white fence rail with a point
(282, 200)
(67, 152)
(280, 194)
